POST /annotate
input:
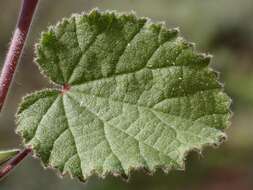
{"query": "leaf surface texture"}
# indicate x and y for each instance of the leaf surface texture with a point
(138, 96)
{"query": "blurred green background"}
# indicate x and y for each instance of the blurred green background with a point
(223, 28)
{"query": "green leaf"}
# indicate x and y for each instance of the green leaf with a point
(5, 155)
(134, 95)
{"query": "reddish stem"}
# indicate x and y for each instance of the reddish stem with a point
(14, 162)
(16, 47)
(9, 67)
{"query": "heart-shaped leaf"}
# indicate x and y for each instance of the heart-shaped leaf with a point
(134, 95)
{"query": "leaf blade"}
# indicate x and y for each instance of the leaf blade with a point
(140, 97)
(7, 154)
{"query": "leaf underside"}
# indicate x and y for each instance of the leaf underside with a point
(139, 96)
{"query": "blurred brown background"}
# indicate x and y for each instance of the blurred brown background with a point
(223, 28)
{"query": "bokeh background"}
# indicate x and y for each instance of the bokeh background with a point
(223, 28)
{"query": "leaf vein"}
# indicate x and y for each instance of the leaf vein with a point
(64, 109)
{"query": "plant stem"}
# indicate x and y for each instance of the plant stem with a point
(9, 67)
(14, 162)
(16, 47)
